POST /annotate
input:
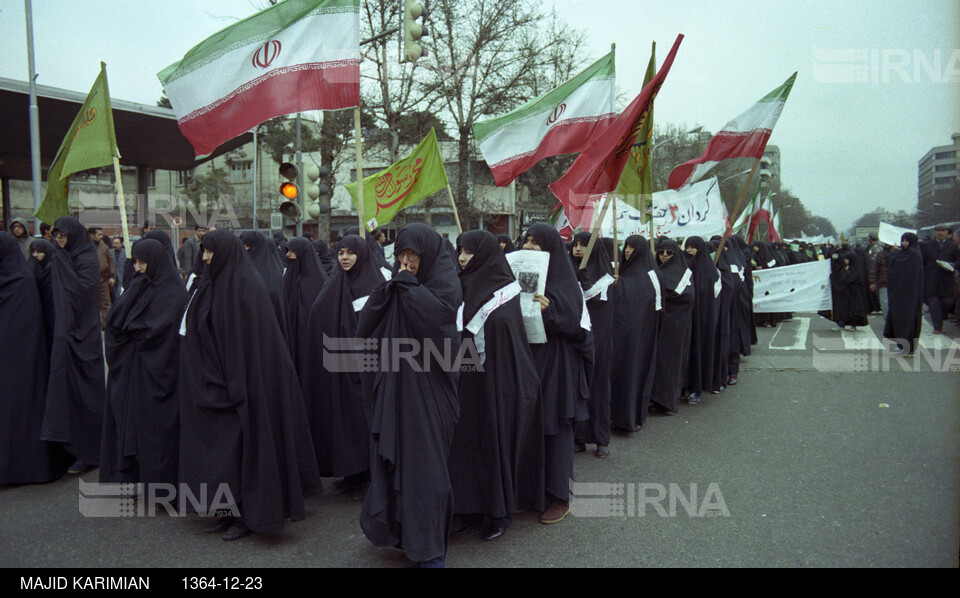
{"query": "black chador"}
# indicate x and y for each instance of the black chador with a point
(25, 458)
(334, 398)
(673, 343)
(846, 286)
(707, 286)
(564, 363)
(266, 260)
(302, 282)
(411, 400)
(40, 268)
(595, 280)
(76, 388)
(904, 293)
(496, 463)
(637, 313)
(243, 422)
(141, 433)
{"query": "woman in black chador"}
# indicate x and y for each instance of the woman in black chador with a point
(267, 263)
(24, 458)
(565, 365)
(846, 287)
(904, 294)
(341, 435)
(41, 256)
(673, 343)
(141, 432)
(76, 389)
(637, 312)
(595, 280)
(243, 423)
(704, 359)
(302, 282)
(411, 399)
(496, 463)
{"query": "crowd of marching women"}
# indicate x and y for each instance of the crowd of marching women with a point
(247, 374)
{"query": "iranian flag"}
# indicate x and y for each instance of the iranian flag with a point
(774, 233)
(744, 219)
(558, 122)
(761, 213)
(599, 166)
(297, 55)
(745, 136)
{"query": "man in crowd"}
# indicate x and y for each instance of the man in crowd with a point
(188, 252)
(940, 260)
(119, 259)
(107, 270)
(18, 228)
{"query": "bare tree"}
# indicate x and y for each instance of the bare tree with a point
(490, 56)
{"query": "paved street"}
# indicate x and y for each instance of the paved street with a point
(795, 466)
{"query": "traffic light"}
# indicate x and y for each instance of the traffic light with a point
(289, 191)
(412, 31)
(316, 188)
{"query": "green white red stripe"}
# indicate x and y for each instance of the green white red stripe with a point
(745, 136)
(297, 55)
(558, 122)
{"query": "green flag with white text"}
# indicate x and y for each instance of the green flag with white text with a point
(403, 184)
(90, 142)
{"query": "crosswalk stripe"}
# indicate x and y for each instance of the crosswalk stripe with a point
(861, 339)
(791, 335)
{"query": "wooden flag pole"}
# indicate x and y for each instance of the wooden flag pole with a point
(453, 204)
(736, 211)
(595, 230)
(616, 254)
(122, 203)
(359, 144)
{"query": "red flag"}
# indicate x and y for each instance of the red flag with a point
(598, 167)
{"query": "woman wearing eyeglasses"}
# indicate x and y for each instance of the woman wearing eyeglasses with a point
(673, 343)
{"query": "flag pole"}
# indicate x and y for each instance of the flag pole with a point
(616, 254)
(736, 210)
(595, 229)
(359, 143)
(121, 202)
(454, 205)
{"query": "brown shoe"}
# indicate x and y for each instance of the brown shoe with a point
(555, 513)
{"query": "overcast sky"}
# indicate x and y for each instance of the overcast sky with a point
(878, 82)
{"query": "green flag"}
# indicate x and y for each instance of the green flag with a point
(636, 182)
(90, 142)
(403, 184)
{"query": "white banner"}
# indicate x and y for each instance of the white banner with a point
(891, 234)
(696, 210)
(797, 288)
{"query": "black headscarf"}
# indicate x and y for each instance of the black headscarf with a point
(41, 274)
(674, 271)
(509, 246)
(326, 257)
(598, 265)
(486, 273)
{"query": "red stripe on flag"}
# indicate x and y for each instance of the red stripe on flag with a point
(564, 138)
(723, 145)
(296, 89)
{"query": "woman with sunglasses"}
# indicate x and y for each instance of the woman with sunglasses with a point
(673, 343)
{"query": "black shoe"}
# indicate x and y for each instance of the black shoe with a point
(732, 381)
(79, 466)
(493, 532)
(694, 398)
(579, 447)
(222, 525)
(237, 530)
(465, 522)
